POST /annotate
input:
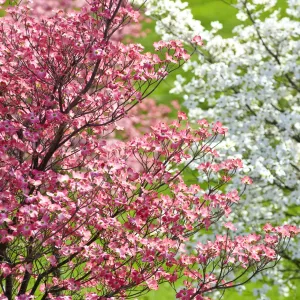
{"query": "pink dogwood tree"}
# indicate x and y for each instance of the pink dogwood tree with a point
(81, 217)
(138, 121)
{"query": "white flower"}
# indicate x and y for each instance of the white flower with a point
(242, 16)
(216, 26)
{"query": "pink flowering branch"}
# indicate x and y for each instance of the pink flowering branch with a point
(251, 253)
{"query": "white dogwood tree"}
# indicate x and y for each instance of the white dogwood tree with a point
(251, 82)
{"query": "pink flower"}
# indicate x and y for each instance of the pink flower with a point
(287, 230)
(159, 45)
(85, 150)
(270, 253)
(7, 127)
(218, 128)
(72, 284)
(32, 118)
(203, 123)
(271, 239)
(226, 178)
(4, 218)
(54, 115)
(233, 196)
(5, 237)
(204, 166)
(132, 176)
(5, 269)
(247, 180)
(41, 74)
(152, 283)
(182, 116)
(230, 226)
(185, 294)
(253, 238)
(185, 56)
(256, 252)
(28, 268)
(30, 210)
(293, 230)
(197, 40)
(44, 222)
(169, 58)
(52, 260)
(268, 228)
(97, 53)
(26, 229)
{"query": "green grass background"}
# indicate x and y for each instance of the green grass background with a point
(206, 11)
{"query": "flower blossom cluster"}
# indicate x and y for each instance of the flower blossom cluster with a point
(81, 215)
